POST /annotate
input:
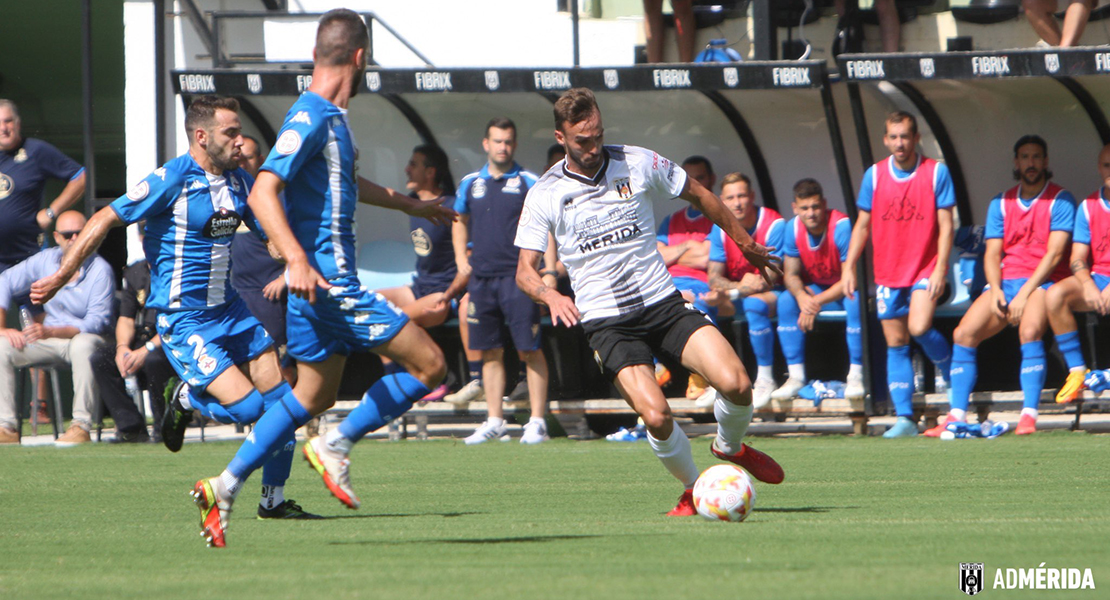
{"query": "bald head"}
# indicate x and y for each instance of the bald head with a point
(69, 224)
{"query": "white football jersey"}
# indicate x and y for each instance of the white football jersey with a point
(604, 228)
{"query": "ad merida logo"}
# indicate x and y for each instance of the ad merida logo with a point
(222, 224)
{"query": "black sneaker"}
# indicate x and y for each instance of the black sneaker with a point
(176, 419)
(135, 437)
(286, 510)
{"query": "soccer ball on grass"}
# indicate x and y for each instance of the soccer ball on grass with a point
(724, 493)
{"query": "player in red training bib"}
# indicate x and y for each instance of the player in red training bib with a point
(1028, 228)
(905, 205)
(1088, 289)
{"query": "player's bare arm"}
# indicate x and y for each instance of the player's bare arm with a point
(992, 271)
(860, 232)
(376, 195)
(1092, 296)
(1057, 243)
(265, 203)
(945, 237)
(529, 281)
(86, 243)
(710, 205)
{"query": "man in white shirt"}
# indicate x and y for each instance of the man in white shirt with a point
(598, 205)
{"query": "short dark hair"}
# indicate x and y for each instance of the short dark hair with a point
(1031, 139)
(202, 111)
(900, 116)
(436, 158)
(697, 159)
(341, 32)
(808, 188)
(574, 106)
(500, 123)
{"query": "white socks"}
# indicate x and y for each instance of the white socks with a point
(732, 424)
(958, 414)
(273, 496)
(496, 421)
(855, 372)
(675, 454)
(797, 372)
(337, 443)
(765, 372)
(1032, 412)
(231, 484)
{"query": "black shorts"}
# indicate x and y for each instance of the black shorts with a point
(660, 329)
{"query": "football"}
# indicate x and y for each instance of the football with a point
(724, 493)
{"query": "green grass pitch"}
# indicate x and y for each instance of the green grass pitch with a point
(856, 518)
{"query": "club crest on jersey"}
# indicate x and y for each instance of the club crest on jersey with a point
(623, 187)
(421, 243)
(206, 364)
(139, 191)
(21, 156)
(222, 224)
(289, 142)
(6, 185)
(512, 185)
(478, 190)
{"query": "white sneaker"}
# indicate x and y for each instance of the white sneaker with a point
(761, 392)
(486, 432)
(534, 432)
(940, 385)
(853, 389)
(707, 398)
(788, 390)
(334, 468)
(471, 392)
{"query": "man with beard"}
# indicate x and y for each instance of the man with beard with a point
(1088, 289)
(192, 206)
(598, 205)
(905, 202)
(1028, 229)
(330, 314)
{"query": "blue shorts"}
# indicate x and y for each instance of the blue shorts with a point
(1101, 280)
(698, 288)
(201, 344)
(894, 303)
(1010, 287)
(496, 302)
(346, 319)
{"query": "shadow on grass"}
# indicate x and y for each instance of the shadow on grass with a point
(531, 539)
(806, 509)
(447, 515)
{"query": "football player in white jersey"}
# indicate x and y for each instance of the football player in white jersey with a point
(598, 205)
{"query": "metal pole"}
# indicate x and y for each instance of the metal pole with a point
(160, 81)
(87, 106)
(765, 36)
(574, 29)
(863, 291)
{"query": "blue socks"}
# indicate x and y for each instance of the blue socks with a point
(791, 337)
(759, 331)
(246, 410)
(386, 400)
(937, 350)
(965, 371)
(475, 369)
(899, 376)
(276, 470)
(271, 434)
(852, 331)
(1070, 348)
(1032, 373)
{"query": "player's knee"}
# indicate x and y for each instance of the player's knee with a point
(656, 418)
(1055, 298)
(249, 409)
(1030, 333)
(731, 383)
(963, 336)
(919, 328)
